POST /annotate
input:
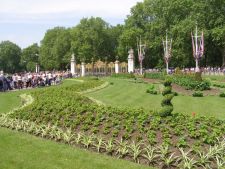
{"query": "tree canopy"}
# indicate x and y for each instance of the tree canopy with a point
(29, 57)
(95, 38)
(10, 55)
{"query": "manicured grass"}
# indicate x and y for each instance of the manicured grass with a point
(126, 93)
(123, 92)
(214, 77)
(23, 151)
(9, 101)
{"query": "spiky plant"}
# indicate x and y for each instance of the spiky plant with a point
(87, 140)
(220, 162)
(78, 137)
(109, 146)
(122, 148)
(99, 143)
(163, 150)
(136, 150)
(150, 154)
(169, 160)
(188, 163)
(204, 159)
(68, 136)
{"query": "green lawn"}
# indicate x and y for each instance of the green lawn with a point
(9, 101)
(126, 93)
(22, 151)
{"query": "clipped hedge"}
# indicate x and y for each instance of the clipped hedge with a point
(197, 94)
(123, 75)
(222, 94)
(157, 75)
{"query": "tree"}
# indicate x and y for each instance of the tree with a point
(55, 49)
(29, 57)
(91, 39)
(10, 55)
(179, 17)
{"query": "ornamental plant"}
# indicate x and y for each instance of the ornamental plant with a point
(167, 106)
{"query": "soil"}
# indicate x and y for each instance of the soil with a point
(181, 90)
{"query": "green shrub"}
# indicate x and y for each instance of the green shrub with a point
(167, 90)
(167, 82)
(167, 106)
(157, 75)
(222, 94)
(166, 111)
(189, 81)
(151, 89)
(167, 100)
(123, 75)
(175, 94)
(197, 94)
(219, 85)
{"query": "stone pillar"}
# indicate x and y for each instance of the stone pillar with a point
(82, 69)
(73, 65)
(117, 67)
(37, 68)
(131, 61)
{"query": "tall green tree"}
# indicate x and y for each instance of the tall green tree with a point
(90, 39)
(55, 49)
(179, 17)
(29, 57)
(10, 54)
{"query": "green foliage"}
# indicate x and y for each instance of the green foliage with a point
(219, 85)
(189, 82)
(222, 94)
(159, 75)
(165, 111)
(29, 57)
(81, 117)
(10, 55)
(94, 38)
(167, 106)
(197, 94)
(167, 90)
(151, 89)
(167, 100)
(55, 49)
(154, 17)
(123, 75)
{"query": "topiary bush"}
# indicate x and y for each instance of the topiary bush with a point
(167, 106)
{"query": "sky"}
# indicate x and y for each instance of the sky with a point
(25, 22)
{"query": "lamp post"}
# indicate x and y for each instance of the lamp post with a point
(198, 47)
(141, 54)
(37, 66)
(167, 46)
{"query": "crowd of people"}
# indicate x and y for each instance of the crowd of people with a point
(31, 80)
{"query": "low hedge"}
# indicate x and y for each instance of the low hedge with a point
(156, 75)
(222, 94)
(197, 94)
(123, 75)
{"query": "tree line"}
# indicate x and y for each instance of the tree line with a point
(93, 38)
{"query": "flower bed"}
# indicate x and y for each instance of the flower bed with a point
(61, 113)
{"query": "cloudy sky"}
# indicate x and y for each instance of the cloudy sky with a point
(25, 21)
